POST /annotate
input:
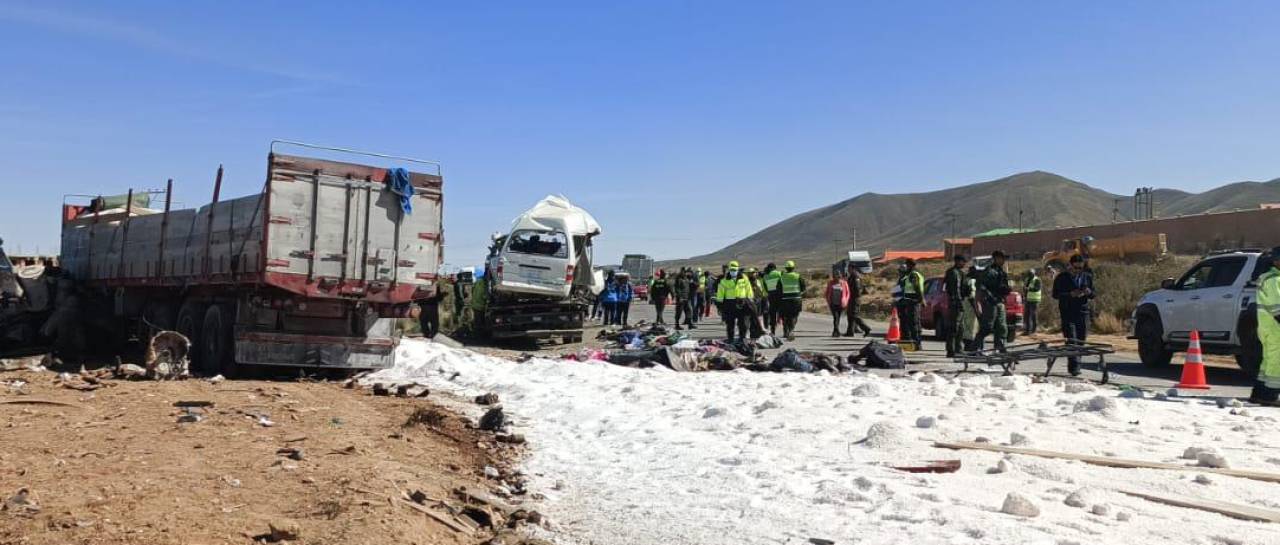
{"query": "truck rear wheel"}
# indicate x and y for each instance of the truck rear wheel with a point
(188, 323)
(1249, 355)
(217, 349)
(1151, 349)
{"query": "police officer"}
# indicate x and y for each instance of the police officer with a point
(955, 284)
(733, 296)
(773, 296)
(1266, 390)
(659, 290)
(1073, 290)
(792, 287)
(912, 284)
(856, 289)
(993, 286)
(1031, 294)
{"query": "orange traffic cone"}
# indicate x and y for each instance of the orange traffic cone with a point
(895, 331)
(1193, 367)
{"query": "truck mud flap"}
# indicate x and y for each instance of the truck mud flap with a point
(300, 350)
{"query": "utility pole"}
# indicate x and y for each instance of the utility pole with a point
(952, 217)
(1019, 214)
(855, 238)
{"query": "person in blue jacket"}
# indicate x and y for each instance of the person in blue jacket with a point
(609, 298)
(625, 295)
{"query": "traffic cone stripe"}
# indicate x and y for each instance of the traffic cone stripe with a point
(1193, 367)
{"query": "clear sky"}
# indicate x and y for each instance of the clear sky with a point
(681, 125)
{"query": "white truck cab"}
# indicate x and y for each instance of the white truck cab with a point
(1215, 297)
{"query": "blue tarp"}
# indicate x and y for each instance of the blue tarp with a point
(398, 183)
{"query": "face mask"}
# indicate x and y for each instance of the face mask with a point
(733, 273)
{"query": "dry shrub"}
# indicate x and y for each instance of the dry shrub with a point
(425, 416)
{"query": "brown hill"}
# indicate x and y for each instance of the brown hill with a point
(919, 221)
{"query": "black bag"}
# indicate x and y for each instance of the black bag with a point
(880, 355)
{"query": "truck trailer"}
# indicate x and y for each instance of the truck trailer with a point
(310, 272)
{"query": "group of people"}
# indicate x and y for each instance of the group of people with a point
(843, 295)
(749, 301)
(976, 304)
(613, 304)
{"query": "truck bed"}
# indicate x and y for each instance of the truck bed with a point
(319, 228)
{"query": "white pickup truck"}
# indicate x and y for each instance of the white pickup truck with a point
(1216, 296)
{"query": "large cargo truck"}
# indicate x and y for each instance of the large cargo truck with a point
(312, 271)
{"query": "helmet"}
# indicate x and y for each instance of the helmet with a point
(752, 270)
(791, 264)
(733, 265)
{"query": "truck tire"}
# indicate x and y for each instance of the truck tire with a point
(1249, 355)
(1012, 327)
(216, 347)
(189, 322)
(1150, 333)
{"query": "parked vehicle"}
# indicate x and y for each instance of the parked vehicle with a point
(1128, 247)
(641, 290)
(933, 313)
(855, 260)
(311, 272)
(1216, 297)
(640, 266)
(542, 279)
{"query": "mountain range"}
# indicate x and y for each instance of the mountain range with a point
(919, 221)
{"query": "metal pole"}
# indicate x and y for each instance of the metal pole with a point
(164, 227)
(208, 231)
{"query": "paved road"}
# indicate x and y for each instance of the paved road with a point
(813, 332)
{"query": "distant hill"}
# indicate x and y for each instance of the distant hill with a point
(919, 221)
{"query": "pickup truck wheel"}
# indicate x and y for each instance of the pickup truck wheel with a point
(1012, 327)
(217, 353)
(939, 327)
(1249, 356)
(189, 322)
(1151, 349)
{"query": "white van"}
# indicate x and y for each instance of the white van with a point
(543, 252)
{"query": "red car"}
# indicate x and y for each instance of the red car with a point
(640, 291)
(934, 311)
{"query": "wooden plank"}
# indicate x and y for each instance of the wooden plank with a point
(1108, 461)
(452, 525)
(1233, 510)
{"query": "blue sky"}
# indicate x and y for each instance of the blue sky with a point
(681, 125)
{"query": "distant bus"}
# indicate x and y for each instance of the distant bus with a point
(639, 266)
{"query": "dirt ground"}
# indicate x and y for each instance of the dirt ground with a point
(116, 465)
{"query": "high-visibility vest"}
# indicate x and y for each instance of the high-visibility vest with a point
(790, 283)
(912, 283)
(771, 280)
(1033, 290)
(734, 288)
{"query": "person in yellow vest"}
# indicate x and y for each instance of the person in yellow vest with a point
(733, 297)
(791, 286)
(912, 284)
(1032, 291)
(1266, 390)
(773, 296)
(700, 303)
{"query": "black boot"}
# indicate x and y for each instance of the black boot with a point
(1264, 395)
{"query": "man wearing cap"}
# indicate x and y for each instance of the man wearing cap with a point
(955, 285)
(792, 287)
(733, 294)
(912, 284)
(1266, 390)
(1032, 289)
(1073, 290)
(993, 286)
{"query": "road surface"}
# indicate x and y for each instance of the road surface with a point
(813, 333)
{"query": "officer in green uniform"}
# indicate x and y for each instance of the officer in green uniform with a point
(773, 296)
(993, 286)
(733, 295)
(659, 291)
(1267, 390)
(792, 287)
(912, 284)
(1032, 289)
